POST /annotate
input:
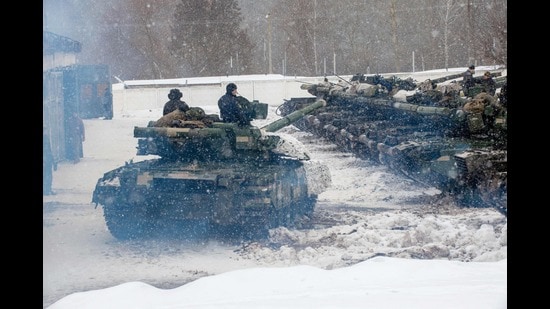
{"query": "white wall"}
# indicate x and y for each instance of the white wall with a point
(273, 92)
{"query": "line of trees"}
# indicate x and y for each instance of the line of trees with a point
(143, 39)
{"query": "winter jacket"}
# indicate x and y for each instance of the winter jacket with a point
(172, 105)
(231, 110)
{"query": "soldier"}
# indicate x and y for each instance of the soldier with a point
(488, 83)
(175, 102)
(468, 79)
(75, 135)
(107, 104)
(48, 163)
(231, 110)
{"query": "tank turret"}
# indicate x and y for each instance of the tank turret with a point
(217, 140)
(211, 176)
(439, 142)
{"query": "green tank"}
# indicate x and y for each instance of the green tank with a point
(210, 176)
(456, 144)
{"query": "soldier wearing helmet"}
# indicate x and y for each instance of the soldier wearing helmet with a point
(231, 108)
(468, 79)
(175, 102)
(488, 83)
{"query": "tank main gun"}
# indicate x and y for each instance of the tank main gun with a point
(294, 116)
(447, 77)
(458, 75)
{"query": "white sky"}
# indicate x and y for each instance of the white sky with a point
(454, 259)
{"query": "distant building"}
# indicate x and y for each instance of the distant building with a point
(70, 87)
(58, 51)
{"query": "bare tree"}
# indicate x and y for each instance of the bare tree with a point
(348, 41)
(450, 14)
(491, 38)
(138, 33)
(295, 18)
(208, 39)
(394, 35)
(167, 39)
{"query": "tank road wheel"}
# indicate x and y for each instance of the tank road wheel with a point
(125, 221)
(255, 225)
(306, 206)
(247, 229)
(282, 217)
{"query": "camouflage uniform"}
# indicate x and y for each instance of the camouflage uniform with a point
(468, 80)
(488, 84)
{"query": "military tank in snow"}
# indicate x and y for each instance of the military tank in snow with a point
(432, 135)
(208, 175)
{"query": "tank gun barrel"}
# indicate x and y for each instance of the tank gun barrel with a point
(447, 77)
(422, 110)
(457, 75)
(151, 132)
(294, 116)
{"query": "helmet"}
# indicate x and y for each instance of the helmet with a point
(175, 94)
(230, 87)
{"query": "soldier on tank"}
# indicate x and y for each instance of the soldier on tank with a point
(175, 102)
(232, 108)
(468, 80)
(488, 83)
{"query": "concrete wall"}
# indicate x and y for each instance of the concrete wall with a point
(273, 92)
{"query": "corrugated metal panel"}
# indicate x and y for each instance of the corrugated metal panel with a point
(53, 111)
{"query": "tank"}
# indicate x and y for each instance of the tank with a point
(209, 176)
(431, 134)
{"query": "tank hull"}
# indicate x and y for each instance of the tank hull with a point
(139, 199)
(211, 176)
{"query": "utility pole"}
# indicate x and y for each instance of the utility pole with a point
(314, 36)
(270, 70)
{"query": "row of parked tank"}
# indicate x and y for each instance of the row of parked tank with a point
(430, 131)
